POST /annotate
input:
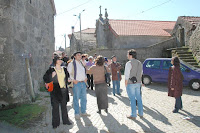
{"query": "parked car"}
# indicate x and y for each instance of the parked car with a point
(156, 70)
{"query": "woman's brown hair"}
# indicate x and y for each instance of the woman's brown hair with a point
(100, 60)
(176, 61)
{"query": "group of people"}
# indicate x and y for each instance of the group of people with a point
(82, 72)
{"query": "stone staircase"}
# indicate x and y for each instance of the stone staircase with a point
(185, 54)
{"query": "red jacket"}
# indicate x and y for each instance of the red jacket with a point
(114, 68)
(175, 80)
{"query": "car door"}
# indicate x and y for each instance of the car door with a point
(186, 74)
(166, 64)
(153, 69)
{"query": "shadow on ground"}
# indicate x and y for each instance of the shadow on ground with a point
(155, 114)
(194, 119)
(159, 87)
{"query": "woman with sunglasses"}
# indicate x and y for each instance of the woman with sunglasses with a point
(60, 95)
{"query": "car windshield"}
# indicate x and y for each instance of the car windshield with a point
(190, 66)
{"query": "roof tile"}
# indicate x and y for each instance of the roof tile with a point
(142, 27)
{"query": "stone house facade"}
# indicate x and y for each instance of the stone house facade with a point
(187, 33)
(121, 35)
(26, 30)
(87, 44)
(131, 33)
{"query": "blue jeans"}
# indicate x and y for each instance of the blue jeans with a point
(79, 92)
(116, 83)
(133, 91)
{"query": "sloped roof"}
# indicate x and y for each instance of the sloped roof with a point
(88, 31)
(141, 27)
(85, 37)
(191, 19)
(86, 34)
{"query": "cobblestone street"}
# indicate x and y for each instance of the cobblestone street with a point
(158, 116)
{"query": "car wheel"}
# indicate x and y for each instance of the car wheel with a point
(195, 84)
(146, 80)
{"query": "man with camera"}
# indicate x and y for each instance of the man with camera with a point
(133, 76)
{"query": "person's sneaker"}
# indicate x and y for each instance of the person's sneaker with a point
(67, 123)
(99, 111)
(77, 117)
(131, 117)
(141, 116)
(85, 114)
(54, 127)
(175, 111)
(106, 110)
(119, 94)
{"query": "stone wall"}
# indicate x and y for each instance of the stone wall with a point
(186, 27)
(195, 43)
(153, 51)
(26, 27)
(100, 30)
(137, 41)
(107, 39)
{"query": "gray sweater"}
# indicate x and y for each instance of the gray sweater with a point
(133, 68)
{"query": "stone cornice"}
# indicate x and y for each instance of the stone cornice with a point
(53, 6)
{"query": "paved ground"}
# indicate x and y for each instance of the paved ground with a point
(158, 116)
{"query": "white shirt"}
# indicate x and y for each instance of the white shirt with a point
(80, 71)
(84, 62)
(128, 68)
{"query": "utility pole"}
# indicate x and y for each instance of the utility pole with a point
(80, 32)
(81, 44)
(65, 41)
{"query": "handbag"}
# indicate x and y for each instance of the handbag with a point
(49, 86)
(134, 79)
(107, 76)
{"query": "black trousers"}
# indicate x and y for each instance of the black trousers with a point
(178, 103)
(55, 109)
(90, 81)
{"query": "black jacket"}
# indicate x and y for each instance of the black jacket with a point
(56, 87)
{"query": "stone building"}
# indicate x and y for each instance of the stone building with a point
(26, 30)
(87, 42)
(114, 35)
(187, 33)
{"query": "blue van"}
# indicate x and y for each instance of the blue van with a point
(156, 70)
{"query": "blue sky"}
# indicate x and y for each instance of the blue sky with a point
(164, 10)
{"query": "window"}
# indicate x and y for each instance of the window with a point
(153, 64)
(183, 69)
(166, 65)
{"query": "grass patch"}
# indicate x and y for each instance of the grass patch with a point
(21, 114)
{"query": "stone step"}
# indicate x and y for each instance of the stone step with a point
(192, 63)
(178, 48)
(185, 55)
(183, 52)
(196, 66)
(189, 60)
(182, 48)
